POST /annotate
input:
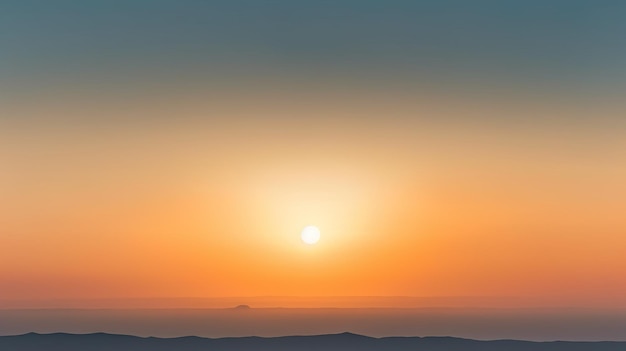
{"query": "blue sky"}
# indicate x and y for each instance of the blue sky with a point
(571, 42)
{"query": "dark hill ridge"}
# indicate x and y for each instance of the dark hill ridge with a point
(330, 342)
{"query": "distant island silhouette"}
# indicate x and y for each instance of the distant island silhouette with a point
(242, 307)
(330, 342)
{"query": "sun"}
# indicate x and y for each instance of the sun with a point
(310, 235)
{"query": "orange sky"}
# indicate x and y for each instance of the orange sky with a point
(204, 193)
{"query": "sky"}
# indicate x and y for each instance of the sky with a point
(167, 149)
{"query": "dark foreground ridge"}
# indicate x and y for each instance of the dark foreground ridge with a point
(344, 341)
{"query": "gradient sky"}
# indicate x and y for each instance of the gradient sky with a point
(444, 148)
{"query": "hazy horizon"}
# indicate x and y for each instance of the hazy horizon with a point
(538, 324)
(481, 318)
(343, 302)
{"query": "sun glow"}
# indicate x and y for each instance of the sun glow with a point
(310, 235)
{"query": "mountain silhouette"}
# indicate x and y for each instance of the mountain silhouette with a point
(330, 342)
(242, 307)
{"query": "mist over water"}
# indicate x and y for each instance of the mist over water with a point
(524, 324)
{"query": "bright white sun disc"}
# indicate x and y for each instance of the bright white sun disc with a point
(310, 235)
